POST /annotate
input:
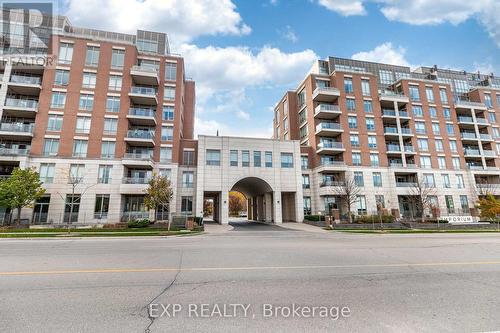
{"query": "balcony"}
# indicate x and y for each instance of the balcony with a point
(16, 130)
(390, 96)
(142, 116)
(25, 84)
(144, 159)
(140, 137)
(145, 75)
(461, 104)
(482, 122)
(404, 114)
(20, 107)
(143, 95)
(387, 113)
(393, 149)
(465, 120)
(325, 94)
(406, 184)
(489, 153)
(332, 183)
(134, 185)
(485, 137)
(406, 131)
(135, 180)
(391, 131)
(14, 152)
(394, 164)
(328, 129)
(330, 147)
(468, 136)
(327, 111)
(409, 150)
(471, 152)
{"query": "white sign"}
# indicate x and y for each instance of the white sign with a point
(459, 219)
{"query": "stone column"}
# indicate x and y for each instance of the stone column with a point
(277, 207)
(224, 207)
(268, 204)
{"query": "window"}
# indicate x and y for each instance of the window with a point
(76, 173)
(417, 111)
(453, 146)
(108, 149)
(414, 93)
(449, 129)
(167, 173)
(303, 116)
(379, 201)
(54, 122)
(304, 162)
(361, 205)
(50, 147)
(286, 160)
(86, 102)
(303, 132)
(115, 82)
(167, 133)
(350, 104)
(71, 208)
(65, 53)
(439, 145)
(168, 113)
(47, 171)
(433, 112)
(460, 181)
(269, 159)
(446, 180)
(425, 162)
(354, 140)
(83, 125)
(487, 100)
(170, 71)
(464, 203)
(372, 141)
(245, 158)
(61, 77)
(441, 162)
(307, 205)
(356, 159)
(285, 108)
(429, 93)
(358, 178)
(367, 106)
(348, 85)
(301, 96)
(496, 132)
(443, 95)
(306, 182)
(435, 129)
(491, 117)
(58, 99)
(110, 126)
(169, 93)
(257, 160)
(104, 174)
(456, 162)
(213, 157)
(166, 154)
(429, 180)
(353, 122)
(374, 160)
(117, 58)
(89, 80)
(187, 205)
(187, 179)
(113, 104)
(449, 203)
(188, 157)
(423, 144)
(420, 127)
(446, 113)
(147, 46)
(386, 77)
(365, 87)
(92, 56)
(101, 207)
(233, 158)
(80, 148)
(377, 179)
(370, 124)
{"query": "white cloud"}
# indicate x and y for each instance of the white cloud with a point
(483, 67)
(181, 19)
(289, 34)
(344, 7)
(243, 115)
(428, 12)
(385, 53)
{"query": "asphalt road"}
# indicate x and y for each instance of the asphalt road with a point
(388, 283)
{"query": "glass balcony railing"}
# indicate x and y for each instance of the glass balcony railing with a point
(388, 112)
(332, 163)
(140, 134)
(327, 107)
(463, 119)
(489, 152)
(405, 130)
(135, 180)
(143, 91)
(391, 147)
(25, 79)
(404, 114)
(409, 149)
(142, 112)
(481, 121)
(406, 184)
(392, 130)
(14, 151)
(485, 137)
(326, 90)
(21, 103)
(328, 125)
(138, 156)
(17, 127)
(332, 183)
(143, 68)
(472, 152)
(468, 135)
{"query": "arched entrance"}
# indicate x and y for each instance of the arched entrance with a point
(260, 198)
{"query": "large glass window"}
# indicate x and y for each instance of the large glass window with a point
(167, 133)
(104, 174)
(443, 95)
(352, 122)
(307, 205)
(187, 205)
(170, 71)
(108, 149)
(377, 179)
(188, 157)
(187, 179)
(115, 82)
(429, 93)
(117, 58)
(361, 205)
(169, 93)
(61, 77)
(269, 159)
(58, 99)
(92, 56)
(54, 123)
(76, 173)
(83, 125)
(370, 124)
(101, 207)
(348, 85)
(80, 148)
(168, 113)
(113, 104)
(367, 106)
(374, 160)
(213, 157)
(356, 159)
(257, 160)
(350, 104)
(89, 80)
(50, 147)
(365, 87)
(233, 158)
(414, 93)
(166, 154)
(47, 171)
(86, 102)
(358, 178)
(110, 126)
(446, 180)
(286, 160)
(245, 158)
(65, 53)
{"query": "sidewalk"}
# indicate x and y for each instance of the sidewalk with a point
(302, 227)
(215, 228)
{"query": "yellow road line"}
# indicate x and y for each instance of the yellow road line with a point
(248, 268)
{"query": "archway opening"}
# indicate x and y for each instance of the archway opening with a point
(260, 198)
(238, 206)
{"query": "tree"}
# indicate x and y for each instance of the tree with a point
(420, 194)
(159, 193)
(349, 190)
(22, 189)
(237, 203)
(490, 207)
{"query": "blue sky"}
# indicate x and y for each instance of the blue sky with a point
(245, 54)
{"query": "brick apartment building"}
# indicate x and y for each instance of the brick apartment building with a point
(392, 131)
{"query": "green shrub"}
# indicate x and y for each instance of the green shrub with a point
(373, 219)
(140, 223)
(314, 218)
(443, 221)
